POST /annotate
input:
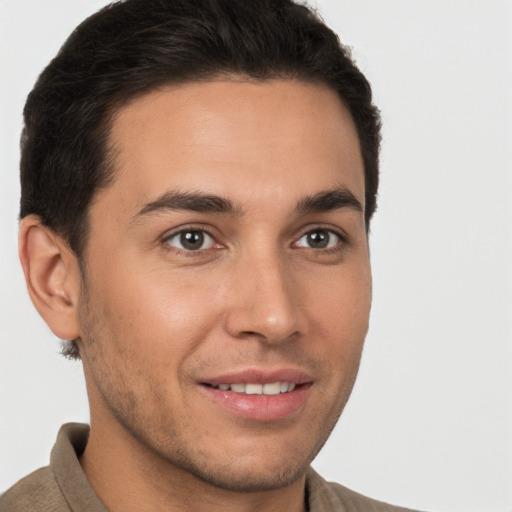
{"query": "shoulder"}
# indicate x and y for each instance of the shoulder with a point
(326, 496)
(37, 491)
(355, 501)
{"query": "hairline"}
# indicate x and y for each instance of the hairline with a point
(108, 166)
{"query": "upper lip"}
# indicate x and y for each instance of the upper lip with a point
(260, 376)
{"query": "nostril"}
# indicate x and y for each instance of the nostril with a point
(266, 310)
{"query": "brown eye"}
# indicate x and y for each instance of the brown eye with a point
(319, 239)
(191, 240)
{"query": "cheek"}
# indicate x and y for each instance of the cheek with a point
(341, 304)
(158, 314)
(339, 318)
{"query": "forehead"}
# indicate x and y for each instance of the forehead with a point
(241, 138)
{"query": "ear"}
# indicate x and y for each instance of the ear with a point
(52, 274)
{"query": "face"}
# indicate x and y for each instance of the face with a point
(227, 285)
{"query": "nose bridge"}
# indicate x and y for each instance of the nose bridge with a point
(264, 303)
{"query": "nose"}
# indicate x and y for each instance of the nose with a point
(264, 301)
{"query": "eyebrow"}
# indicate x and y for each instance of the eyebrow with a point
(190, 201)
(324, 201)
(329, 200)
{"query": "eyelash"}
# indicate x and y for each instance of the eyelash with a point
(343, 240)
(342, 237)
(184, 252)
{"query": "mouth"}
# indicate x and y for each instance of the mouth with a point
(270, 388)
(264, 396)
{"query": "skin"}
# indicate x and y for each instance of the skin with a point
(153, 321)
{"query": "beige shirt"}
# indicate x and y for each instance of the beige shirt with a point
(63, 487)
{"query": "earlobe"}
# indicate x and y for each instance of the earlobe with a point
(52, 275)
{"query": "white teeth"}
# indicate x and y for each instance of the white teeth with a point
(270, 388)
(253, 389)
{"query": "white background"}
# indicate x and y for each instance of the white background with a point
(430, 422)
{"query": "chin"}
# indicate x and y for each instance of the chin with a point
(265, 465)
(235, 478)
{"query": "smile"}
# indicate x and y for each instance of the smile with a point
(271, 388)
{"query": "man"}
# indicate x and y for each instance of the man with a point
(198, 179)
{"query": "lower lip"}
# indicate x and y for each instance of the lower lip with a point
(260, 407)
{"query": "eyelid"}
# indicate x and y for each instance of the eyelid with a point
(338, 249)
(207, 230)
(208, 239)
(217, 238)
(323, 227)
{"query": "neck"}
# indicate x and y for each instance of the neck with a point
(127, 475)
